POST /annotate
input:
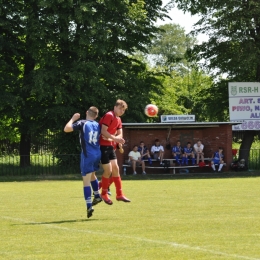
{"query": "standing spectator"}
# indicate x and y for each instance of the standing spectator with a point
(144, 152)
(135, 159)
(177, 152)
(157, 151)
(89, 132)
(217, 158)
(188, 154)
(111, 133)
(198, 149)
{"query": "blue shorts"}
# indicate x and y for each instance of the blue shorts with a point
(90, 163)
(216, 161)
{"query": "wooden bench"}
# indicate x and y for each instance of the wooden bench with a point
(126, 165)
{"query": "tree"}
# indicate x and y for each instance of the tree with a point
(183, 94)
(182, 80)
(168, 48)
(234, 43)
(58, 57)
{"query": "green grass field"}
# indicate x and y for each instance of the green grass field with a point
(217, 218)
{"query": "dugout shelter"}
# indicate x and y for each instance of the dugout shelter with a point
(212, 135)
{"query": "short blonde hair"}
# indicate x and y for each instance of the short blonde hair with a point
(121, 103)
(93, 112)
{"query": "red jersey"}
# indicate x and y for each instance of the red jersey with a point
(113, 123)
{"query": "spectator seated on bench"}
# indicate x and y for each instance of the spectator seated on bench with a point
(145, 154)
(198, 150)
(177, 153)
(217, 158)
(157, 151)
(135, 160)
(188, 154)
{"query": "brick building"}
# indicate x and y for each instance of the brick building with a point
(212, 135)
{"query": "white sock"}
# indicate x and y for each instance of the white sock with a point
(213, 167)
(220, 167)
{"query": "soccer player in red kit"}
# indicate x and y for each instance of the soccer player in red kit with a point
(111, 132)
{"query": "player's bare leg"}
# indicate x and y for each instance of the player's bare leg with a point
(134, 167)
(161, 154)
(198, 158)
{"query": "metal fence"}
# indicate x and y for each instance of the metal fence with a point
(41, 164)
(49, 164)
(45, 162)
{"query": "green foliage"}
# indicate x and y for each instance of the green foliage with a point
(233, 48)
(185, 94)
(211, 101)
(232, 26)
(60, 57)
(169, 47)
(184, 84)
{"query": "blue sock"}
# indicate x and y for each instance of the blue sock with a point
(193, 161)
(87, 196)
(149, 160)
(94, 185)
(177, 159)
(183, 160)
(186, 160)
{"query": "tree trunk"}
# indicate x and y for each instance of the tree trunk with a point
(247, 141)
(25, 148)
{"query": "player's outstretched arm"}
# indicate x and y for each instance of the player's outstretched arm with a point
(68, 127)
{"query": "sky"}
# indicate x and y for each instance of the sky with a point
(185, 20)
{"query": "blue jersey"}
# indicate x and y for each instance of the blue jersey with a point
(187, 150)
(217, 157)
(142, 148)
(177, 149)
(89, 133)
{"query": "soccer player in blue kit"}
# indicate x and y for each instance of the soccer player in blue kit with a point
(89, 133)
(188, 153)
(177, 152)
(217, 158)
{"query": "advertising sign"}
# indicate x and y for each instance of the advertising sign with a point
(177, 118)
(244, 104)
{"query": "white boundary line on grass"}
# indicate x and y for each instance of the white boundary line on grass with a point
(173, 244)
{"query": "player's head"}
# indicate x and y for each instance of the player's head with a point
(92, 113)
(178, 143)
(135, 148)
(157, 141)
(142, 143)
(220, 149)
(199, 143)
(188, 144)
(120, 107)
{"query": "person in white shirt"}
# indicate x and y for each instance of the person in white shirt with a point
(135, 159)
(157, 151)
(198, 150)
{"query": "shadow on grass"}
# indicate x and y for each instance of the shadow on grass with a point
(59, 222)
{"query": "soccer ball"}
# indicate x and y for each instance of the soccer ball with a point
(151, 110)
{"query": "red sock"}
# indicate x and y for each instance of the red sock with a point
(105, 184)
(100, 185)
(111, 180)
(118, 184)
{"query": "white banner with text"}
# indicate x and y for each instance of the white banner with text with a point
(177, 118)
(244, 104)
